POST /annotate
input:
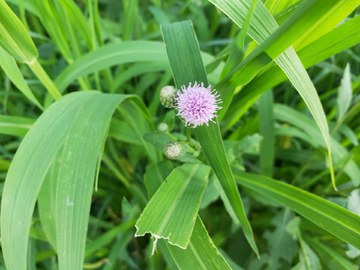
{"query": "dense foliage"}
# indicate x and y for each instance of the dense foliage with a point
(97, 174)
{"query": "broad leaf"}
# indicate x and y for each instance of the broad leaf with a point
(171, 212)
(80, 126)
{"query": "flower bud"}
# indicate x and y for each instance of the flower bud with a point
(167, 95)
(163, 127)
(173, 150)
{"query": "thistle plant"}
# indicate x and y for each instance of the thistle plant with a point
(197, 105)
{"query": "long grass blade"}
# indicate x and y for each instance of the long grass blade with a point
(187, 67)
(329, 216)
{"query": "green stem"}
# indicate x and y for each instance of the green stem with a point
(188, 135)
(22, 13)
(44, 78)
(171, 136)
(175, 139)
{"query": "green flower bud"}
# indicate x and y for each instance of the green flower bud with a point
(167, 95)
(173, 150)
(163, 127)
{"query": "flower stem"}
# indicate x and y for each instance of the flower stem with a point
(171, 136)
(188, 135)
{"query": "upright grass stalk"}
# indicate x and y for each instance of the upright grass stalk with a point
(44, 78)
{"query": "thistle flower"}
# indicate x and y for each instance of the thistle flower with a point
(167, 95)
(162, 127)
(173, 150)
(197, 105)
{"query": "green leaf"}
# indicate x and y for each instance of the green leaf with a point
(344, 94)
(14, 125)
(118, 248)
(266, 128)
(130, 13)
(170, 120)
(47, 200)
(231, 263)
(291, 116)
(331, 217)
(295, 132)
(9, 66)
(236, 55)
(44, 78)
(155, 175)
(171, 212)
(111, 55)
(281, 246)
(211, 193)
(201, 252)
(301, 23)
(138, 69)
(78, 21)
(330, 257)
(187, 67)
(17, 190)
(227, 205)
(339, 39)
(354, 201)
(14, 37)
(51, 21)
(159, 15)
(139, 120)
(308, 257)
(80, 128)
(122, 131)
(108, 237)
(275, 6)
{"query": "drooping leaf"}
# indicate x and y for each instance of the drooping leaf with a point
(285, 113)
(8, 64)
(108, 56)
(329, 216)
(264, 24)
(342, 37)
(171, 212)
(15, 39)
(80, 127)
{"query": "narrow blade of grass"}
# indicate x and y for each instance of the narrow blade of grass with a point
(329, 216)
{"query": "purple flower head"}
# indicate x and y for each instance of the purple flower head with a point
(197, 105)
